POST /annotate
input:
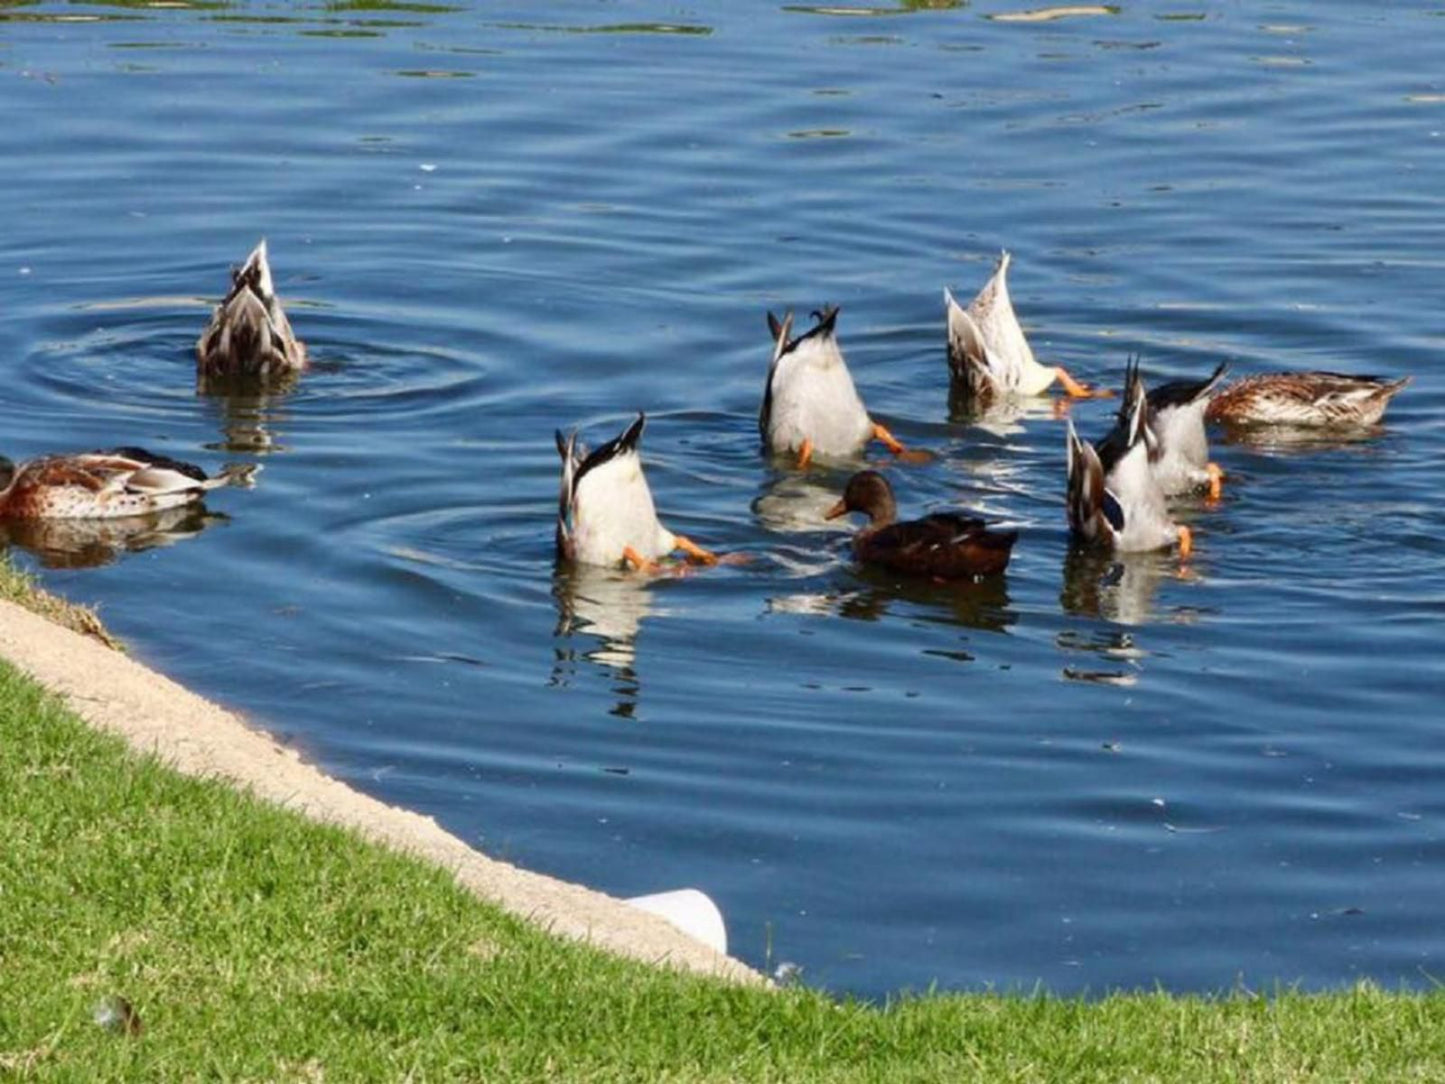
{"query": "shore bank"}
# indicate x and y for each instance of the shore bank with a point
(153, 714)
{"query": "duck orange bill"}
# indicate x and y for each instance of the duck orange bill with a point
(839, 509)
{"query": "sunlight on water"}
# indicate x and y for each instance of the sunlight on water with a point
(491, 222)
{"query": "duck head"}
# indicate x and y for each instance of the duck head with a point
(867, 492)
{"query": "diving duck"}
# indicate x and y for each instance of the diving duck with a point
(605, 514)
(1113, 497)
(249, 335)
(941, 546)
(988, 355)
(1178, 445)
(1309, 399)
(107, 484)
(810, 405)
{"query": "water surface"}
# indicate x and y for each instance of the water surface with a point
(491, 221)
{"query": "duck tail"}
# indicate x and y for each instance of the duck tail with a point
(989, 551)
(967, 355)
(1084, 494)
(566, 448)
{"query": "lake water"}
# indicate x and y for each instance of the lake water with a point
(492, 220)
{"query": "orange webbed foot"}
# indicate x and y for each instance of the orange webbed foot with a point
(805, 453)
(1216, 480)
(892, 443)
(695, 552)
(1077, 390)
(631, 558)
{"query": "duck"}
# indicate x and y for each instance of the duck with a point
(810, 406)
(941, 546)
(605, 514)
(988, 356)
(107, 484)
(1178, 443)
(1314, 399)
(249, 335)
(1113, 497)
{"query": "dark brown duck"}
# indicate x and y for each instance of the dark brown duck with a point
(942, 546)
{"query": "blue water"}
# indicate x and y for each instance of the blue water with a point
(490, 221)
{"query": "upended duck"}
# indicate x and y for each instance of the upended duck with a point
(107, 484)
(988, 355)
(1113, 497)
(249, 335)
(810, 405)
(605, 514)
(1178, 443)
(1310, 399)
(941, 546)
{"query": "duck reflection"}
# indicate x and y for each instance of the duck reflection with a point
(1004, 415)
(250, 411)
(607, 607)
(796, 501)
(89, 543)
(983, 605)
(1297, 439)
(1118, 587)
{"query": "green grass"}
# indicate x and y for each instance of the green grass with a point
(255, 945)
(24, 590)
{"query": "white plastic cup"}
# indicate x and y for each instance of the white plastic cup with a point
(690, 911)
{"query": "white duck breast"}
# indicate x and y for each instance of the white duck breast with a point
(1140, 497)
(612, 510)
(811, 397)
(1180, 452)
(605, 506)
(1113, 494)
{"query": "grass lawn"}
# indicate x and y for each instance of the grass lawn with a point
(251, 944)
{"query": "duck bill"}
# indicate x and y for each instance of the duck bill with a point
(839, 509)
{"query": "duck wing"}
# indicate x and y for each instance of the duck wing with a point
(968, 358)
(1310, 398)
(944, 546)
(780, 330)
(1092, 509)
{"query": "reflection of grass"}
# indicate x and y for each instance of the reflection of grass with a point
(250, 944)
(615, 28)
(189, 5)
(391, 5)
(901, 7)
(23, 589)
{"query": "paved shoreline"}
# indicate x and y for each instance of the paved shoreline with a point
(112, 691)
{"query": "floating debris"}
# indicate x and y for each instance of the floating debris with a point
(1048, 15)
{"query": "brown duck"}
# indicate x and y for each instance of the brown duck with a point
(1313, 399)
(942, 546)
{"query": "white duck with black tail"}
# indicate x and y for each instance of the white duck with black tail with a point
(1179, 445)
(1114, 498)
(605, 514)
(810, 406)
